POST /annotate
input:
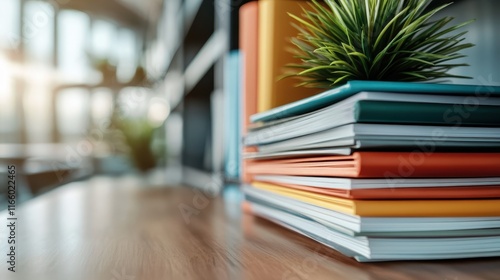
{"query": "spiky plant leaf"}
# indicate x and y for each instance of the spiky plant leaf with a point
(385, 40)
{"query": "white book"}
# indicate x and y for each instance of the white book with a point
(391, 136)
(365, 249)
(358, 184)
(298, 153)
(360, 225)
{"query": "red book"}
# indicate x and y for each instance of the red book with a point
(249, 25)
(389, 165)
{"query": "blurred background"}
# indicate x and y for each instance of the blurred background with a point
(136, 88)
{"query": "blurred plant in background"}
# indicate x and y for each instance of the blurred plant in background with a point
(138, 135)
(140, 132)
(107, 70)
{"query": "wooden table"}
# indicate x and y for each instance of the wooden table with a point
(117, 229)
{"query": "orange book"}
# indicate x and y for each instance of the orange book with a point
(275, 33)
(390, 165)
(249, 23)
(392, 208)
(406, 193)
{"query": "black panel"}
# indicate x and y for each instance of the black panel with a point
(200, 31)
(197, 126)
(234, 24)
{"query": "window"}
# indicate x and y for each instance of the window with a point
(7, 99)
(37, 111)
(126, 51)
(9, 22)
(103, 36)
(101, 105)
(73, 32)
(73, 113)
(38, 26)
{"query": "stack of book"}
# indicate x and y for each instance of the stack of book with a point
(382, 170)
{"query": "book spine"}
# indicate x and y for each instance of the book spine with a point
(232, 130)
(397, 166)
(249, 19)
(275, 32)
(265, 50)
(424, 113)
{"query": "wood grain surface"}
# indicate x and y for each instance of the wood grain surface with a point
(119, 229)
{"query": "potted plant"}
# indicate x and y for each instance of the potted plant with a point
(138, 134)
(381, 40)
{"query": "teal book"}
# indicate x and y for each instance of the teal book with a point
(232, 116)
(383, 108)
(332, 96)
(425, 113)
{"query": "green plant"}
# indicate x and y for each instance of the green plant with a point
(388, 40)
(135, 136)
(107, 69)
(139, 135)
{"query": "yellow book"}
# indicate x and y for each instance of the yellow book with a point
(392, 208)
(275, 32)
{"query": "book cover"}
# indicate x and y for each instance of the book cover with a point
(362, 225)
(232, 125)
(425, 113)
(249, 23)
(487, 229)
(275, 32)
(393, 166)
(382, 108)
(385, 137)
(352, 87)
(406, 193)
(392, 208)
(365, 248)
